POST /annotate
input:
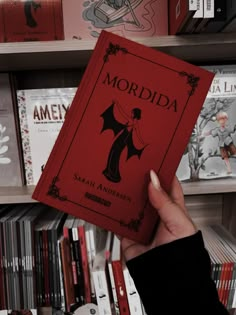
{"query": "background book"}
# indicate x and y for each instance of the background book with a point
(31, 20)
(41, 115)
(230, 24)
(85, 20)
(202, 159)
(11, 172)
(180, 13)
(221, 13)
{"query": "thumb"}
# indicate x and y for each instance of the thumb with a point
(170, 213)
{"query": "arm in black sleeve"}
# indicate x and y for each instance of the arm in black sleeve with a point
(175, 278)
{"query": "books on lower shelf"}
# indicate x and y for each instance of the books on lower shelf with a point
(41, 116)
(38, 269)
(211, 151)
(11, 171)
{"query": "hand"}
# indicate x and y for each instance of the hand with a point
(175, 223)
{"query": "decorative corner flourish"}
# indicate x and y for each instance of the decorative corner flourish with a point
(54, 191)
(134, 224)
(113, 50)
(192, 80)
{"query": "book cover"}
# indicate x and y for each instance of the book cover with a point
(211, 151)
(84, 20)
(11, 173)
(30, 20)
(135, 110)
(41, 115)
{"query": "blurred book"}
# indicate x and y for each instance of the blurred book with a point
(210, 153)
(41, 115)
(11, 162)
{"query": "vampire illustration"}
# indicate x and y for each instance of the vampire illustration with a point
(29, 6)
(124, 133)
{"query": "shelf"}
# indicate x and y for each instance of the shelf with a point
(23, 194)
(16, 194)
(216, 186)
(201, 48)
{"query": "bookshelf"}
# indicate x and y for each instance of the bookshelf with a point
(216, 48)
(213, 200)
(74, 54)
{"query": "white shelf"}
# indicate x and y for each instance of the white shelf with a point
(76, 53)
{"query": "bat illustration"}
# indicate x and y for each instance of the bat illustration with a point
(123, 133)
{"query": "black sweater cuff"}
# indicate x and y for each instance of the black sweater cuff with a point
(176, 277)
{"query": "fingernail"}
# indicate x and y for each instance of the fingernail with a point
(154, 179)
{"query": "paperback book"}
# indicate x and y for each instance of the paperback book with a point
(11, 164)
(84, 20)
(211, 151)
(27, 20)
(134, 110)
(41, 115)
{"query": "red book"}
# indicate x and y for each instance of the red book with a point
(84, 259)
(179, 14)
(38, 20)
(134, 111)
(117, 263)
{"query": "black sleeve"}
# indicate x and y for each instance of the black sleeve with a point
(175, 278)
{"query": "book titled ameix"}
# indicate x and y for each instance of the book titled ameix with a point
(134, 111)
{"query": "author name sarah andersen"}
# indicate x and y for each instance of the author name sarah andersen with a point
(101, 187)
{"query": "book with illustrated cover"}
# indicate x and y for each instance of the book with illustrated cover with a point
(31, 20)
(134, 110)
(84, 20)
(41, 115)
(211, 151)
(11, 171)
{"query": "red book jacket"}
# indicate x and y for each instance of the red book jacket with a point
(133, 111)
(31, 20)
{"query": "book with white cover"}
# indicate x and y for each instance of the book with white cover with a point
(41, 114)
(135, 304)
(11, 173)
(101, 280)
(211, 151)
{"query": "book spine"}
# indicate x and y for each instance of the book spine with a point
(58, 19)
(135, 304)
(208, 8)
(61, 277)
(102, 292)
(113, 288)
(84, 259)
(121, 292)
(77, 266)
(192, 4)
(67, 273)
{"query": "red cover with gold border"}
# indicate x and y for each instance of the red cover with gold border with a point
(134, 111)
(32, 20)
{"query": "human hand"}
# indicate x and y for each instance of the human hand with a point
(175, 223)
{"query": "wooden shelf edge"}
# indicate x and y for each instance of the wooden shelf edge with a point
(23, 194)
(9, 195)
(76, 53)
(203, 187)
